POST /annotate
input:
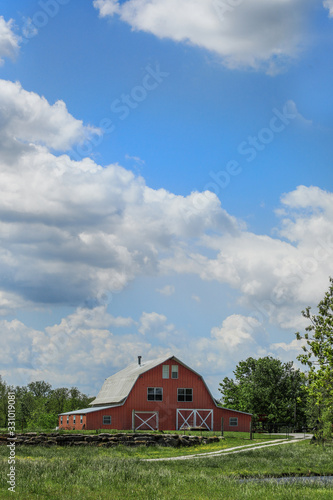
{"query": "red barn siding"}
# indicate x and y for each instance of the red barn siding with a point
(71, 425)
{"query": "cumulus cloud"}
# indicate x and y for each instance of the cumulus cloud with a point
(217, 354)
(61, 353)
(28, 118)
(155, 326)
(276, 276)
(74, 232)
(9, 41)
(234, 330)
(253, 33)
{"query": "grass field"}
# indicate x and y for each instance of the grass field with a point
(118, 473)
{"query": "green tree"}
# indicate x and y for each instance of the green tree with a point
(266, 386)
(40, 389)
(4, 389)
(318, 356)
(25, 405)
(57, 400)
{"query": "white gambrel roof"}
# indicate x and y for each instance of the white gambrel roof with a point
(117, 387)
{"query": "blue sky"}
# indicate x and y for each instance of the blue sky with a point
(166, 176)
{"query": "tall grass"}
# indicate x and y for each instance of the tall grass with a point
(97, 473)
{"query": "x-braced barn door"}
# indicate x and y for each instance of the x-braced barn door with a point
(194, 418)
(145, 420)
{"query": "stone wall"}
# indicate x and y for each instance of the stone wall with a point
(107, 440)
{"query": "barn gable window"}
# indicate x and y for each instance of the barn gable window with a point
(155, 394)
(106, 420)
(174, 371)
(74, 419)
(184, 394)
(165, 371)
(233, 421)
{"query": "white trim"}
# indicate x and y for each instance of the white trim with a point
(196, 415)
(143, 422)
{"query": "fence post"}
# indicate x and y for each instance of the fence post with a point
(251, 430)
(222, 426)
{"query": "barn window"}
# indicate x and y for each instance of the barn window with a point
(61, 420)
(74, 419)
(155, 394)
(81, 419)
(106, 420)
(233, 421)
(174, 371)
(68, 419)
(184, 394)
(165, 371)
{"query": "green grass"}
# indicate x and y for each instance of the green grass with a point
(116, 473)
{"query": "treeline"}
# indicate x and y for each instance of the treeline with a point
(37, 405)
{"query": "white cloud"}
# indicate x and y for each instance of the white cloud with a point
(155, 326)
(251, 33)
(276, 277)
(234, 330)
(9, 41)
(329, 5)
(74, 231)
(80, 350)
(295, 345)
(28, 118)
(107, 8)
(167, 290)
(235, 340)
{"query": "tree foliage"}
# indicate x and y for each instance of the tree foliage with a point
(4, 389)
(37, 405)
(318, 356)
(266, 386)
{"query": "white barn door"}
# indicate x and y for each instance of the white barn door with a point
(145, 420)
(194, 418)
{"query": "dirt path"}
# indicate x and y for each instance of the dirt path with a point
(229, 451)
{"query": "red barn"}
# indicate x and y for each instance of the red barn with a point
(162, 394)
